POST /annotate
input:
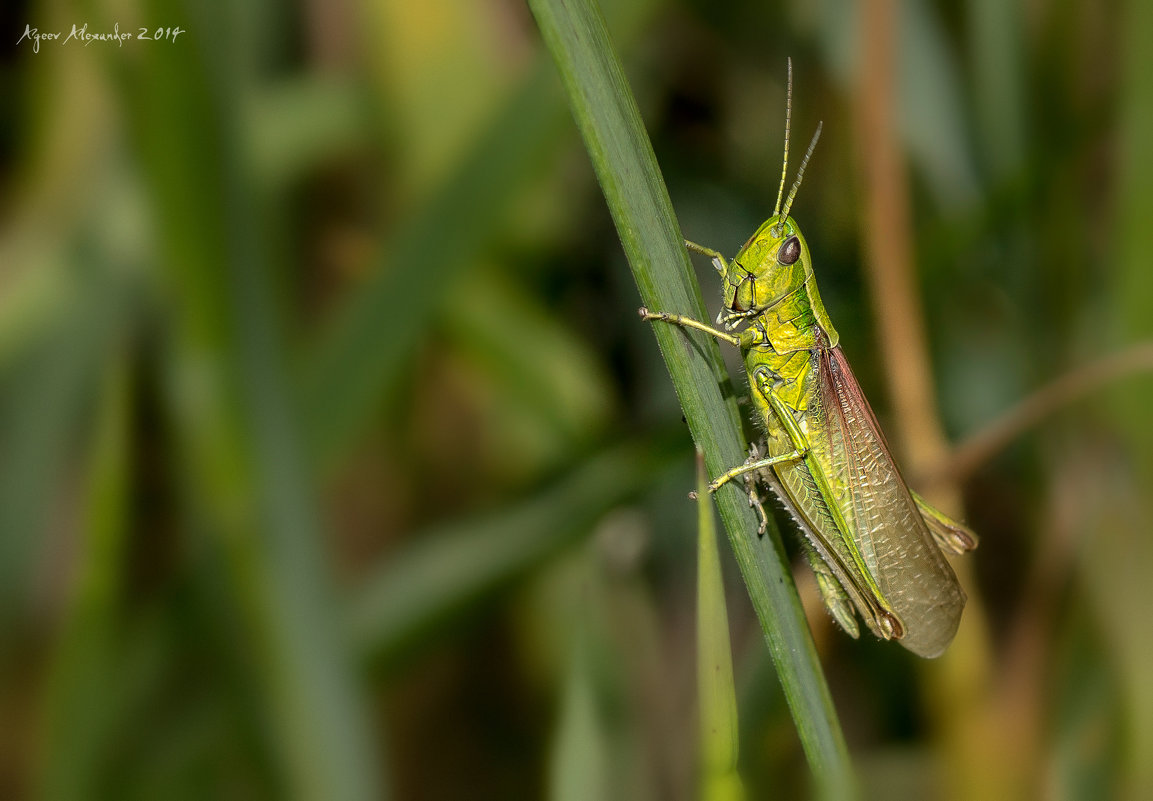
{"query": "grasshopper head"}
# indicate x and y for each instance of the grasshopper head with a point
(772, 264)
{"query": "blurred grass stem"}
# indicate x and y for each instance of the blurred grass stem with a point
(977, 762)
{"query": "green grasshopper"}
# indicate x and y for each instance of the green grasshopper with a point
(873, 544)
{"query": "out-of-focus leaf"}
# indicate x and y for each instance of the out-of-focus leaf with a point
(930, 93)
(1122, 552)
(31, 303)
(42, 405)
(231, 398)
(373, 337)
(549, 378)
(579, 762)
(293, 125)
(364, 349)
(83, 691)
(456, 567)
(1086, 758)
(996, 58)
(716, 690)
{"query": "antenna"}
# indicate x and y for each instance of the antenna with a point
(801, 172)
(788, 119)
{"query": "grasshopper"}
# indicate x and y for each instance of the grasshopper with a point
(874, 545)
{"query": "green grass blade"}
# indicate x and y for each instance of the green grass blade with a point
(1120, 559)
(716, 692)
(82, 694)
(625, 165)
(242, 440)
(547, 375)
(371, 340)
(451, 569)
(579, 765)
(41, 410)
(997, 65)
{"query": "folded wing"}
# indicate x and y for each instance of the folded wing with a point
(890, 532)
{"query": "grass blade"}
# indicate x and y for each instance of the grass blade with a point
(610, 124)
(344, 381)
(82, 695)
(453, 568)
(242, 437)
(579, 765)
(716, 692)
(41, 411)
(1120, 559)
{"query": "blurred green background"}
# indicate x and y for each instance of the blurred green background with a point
(335, 462)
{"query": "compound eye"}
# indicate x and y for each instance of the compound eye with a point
(790, 251)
